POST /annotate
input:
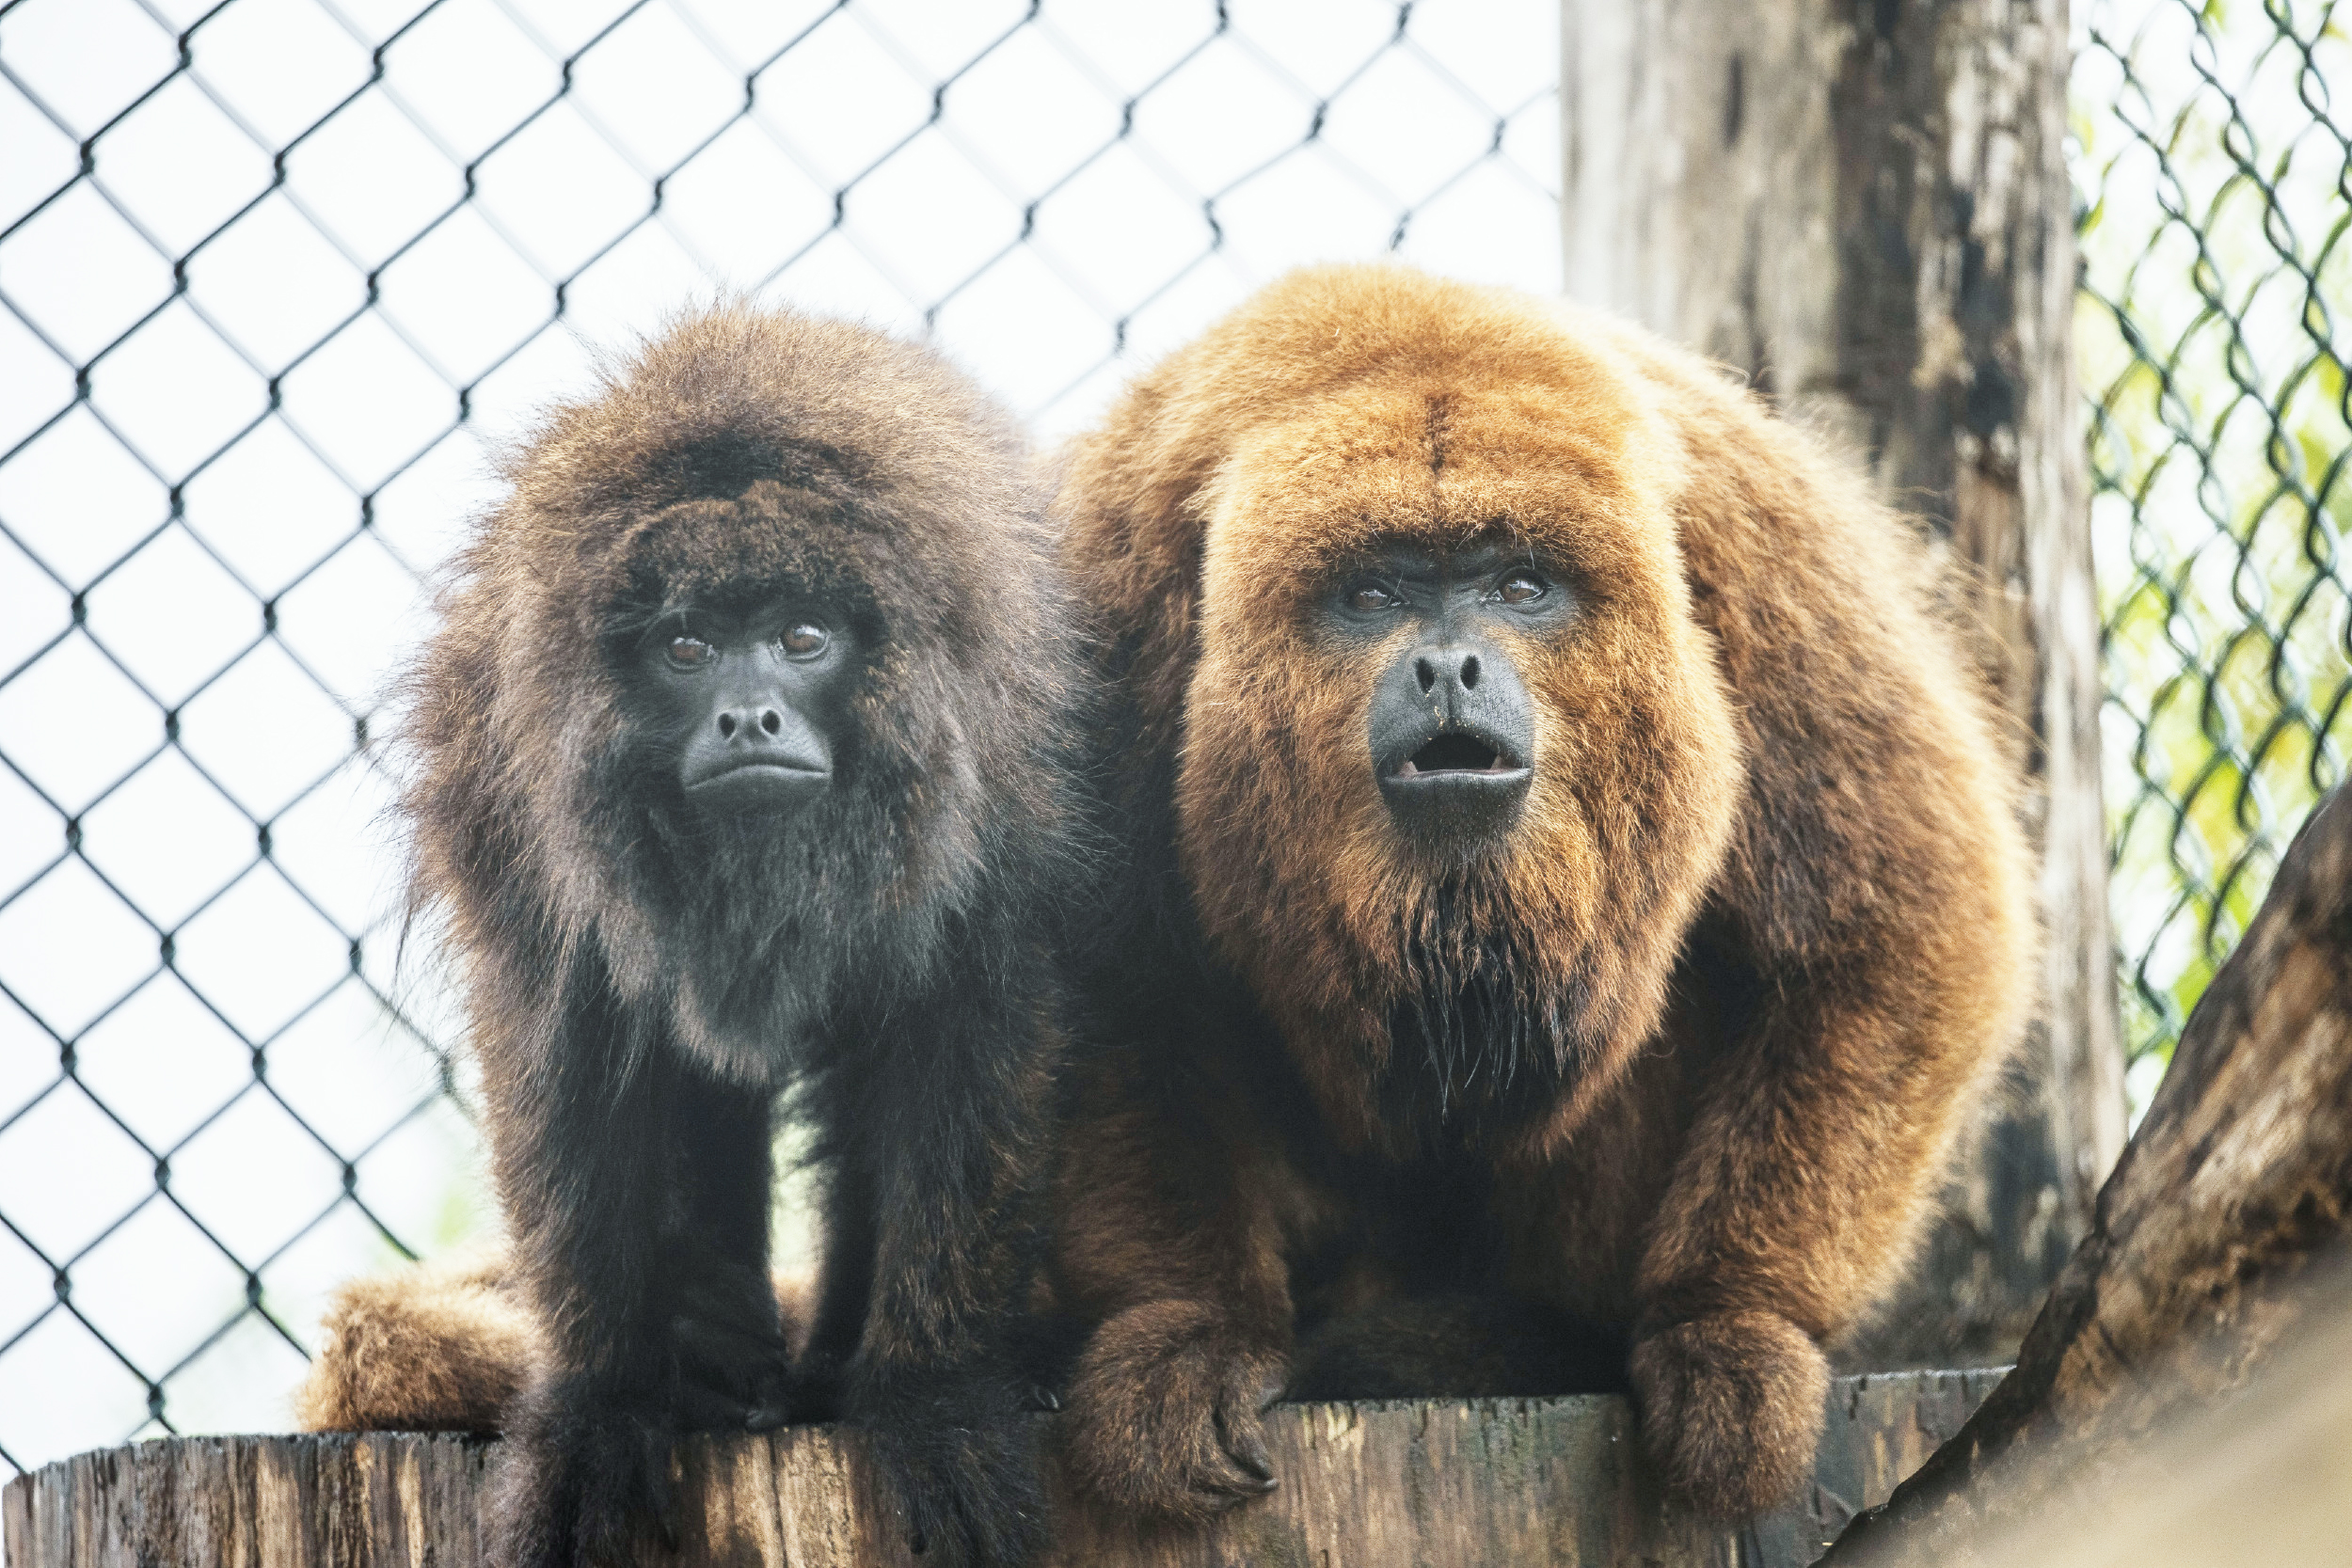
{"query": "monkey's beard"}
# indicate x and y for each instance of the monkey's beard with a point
(770, 931)
(1483, 1034)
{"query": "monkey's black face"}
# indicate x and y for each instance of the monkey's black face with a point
(1452, 731)
(751, 704)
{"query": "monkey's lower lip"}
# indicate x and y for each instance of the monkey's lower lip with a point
(753, 786)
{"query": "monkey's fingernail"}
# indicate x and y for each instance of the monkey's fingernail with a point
(1043, 1397)
(766, 1417)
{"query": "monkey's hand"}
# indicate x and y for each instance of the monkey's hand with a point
(1731, 1408)
(585, 1479)
(960, 1447)
(1164, 1412)
(734, 1363)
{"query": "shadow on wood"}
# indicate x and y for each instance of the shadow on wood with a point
(1555, 1481)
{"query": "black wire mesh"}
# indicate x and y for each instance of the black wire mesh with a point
(265, 265)
(268, 264)
(2212, 163)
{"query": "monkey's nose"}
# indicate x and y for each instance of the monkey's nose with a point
(765, 720)
(1454, 667)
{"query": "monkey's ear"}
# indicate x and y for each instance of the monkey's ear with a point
(437, 1347)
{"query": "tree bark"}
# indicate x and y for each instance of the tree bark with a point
(1443, 1484)
(2219, 1239)
(1865, 208)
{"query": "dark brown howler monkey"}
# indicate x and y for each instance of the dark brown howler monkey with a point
(1582, 890)
(743, 775)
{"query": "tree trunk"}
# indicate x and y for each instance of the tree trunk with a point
(2200, 1264)
(1441, 1484)
(1865, 208)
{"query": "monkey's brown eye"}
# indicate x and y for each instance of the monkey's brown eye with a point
(691, 653)
(1365, 597)
(805, 640)
(1519, 587)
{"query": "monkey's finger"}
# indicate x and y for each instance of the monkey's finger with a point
(1244, 1442)
(1246, 1449)
(1219, 1478)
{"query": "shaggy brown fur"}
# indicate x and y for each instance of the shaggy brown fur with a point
(438, 1347)
(446, 1346)
(1677, 1060)
(646, 976)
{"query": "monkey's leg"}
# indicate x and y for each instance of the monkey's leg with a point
(586, 1118)
(734, 1366)
(1166, 1233)
(947, 1187)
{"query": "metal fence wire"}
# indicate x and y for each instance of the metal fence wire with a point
(268, 266)
(2212, 173)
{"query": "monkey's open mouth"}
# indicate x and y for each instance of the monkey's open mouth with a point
(1457, 752)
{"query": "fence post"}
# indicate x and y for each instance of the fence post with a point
(1863, 205)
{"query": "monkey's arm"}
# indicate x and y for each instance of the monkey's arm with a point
(1166, 1232)
(1877, 894)
(1792, 1205)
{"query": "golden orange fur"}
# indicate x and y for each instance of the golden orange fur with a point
(443, 1346)
(1764, 919)
(438, 1347)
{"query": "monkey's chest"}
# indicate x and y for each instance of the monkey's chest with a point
(1387, 1230)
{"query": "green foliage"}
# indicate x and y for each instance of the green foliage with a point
(2216, 180)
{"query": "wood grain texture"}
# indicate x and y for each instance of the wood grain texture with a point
(2219, 1246)
(1865, 209)
(1519, 1481)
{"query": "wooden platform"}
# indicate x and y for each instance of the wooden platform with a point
(1492, 1481)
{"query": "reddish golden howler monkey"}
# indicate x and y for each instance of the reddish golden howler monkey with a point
(1581, 889)
(744, 774)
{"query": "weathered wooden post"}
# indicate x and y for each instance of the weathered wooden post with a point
(1863, 205)
(1450, 1485)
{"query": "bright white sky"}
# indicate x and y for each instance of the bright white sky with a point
(1020, 216)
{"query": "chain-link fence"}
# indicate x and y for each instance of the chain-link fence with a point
(272, 271)
(2214, 141)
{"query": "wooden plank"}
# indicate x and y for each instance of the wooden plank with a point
(1435, 1483)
